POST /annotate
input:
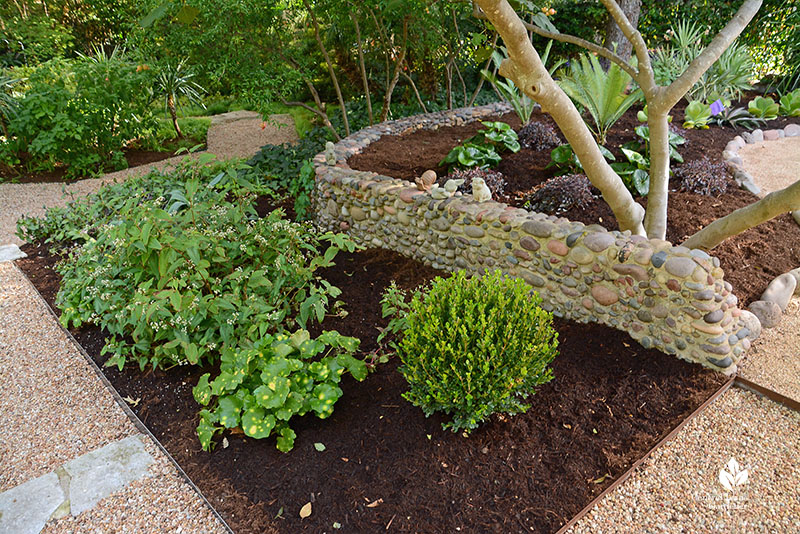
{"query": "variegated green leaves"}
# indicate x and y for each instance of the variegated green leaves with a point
(260, 388)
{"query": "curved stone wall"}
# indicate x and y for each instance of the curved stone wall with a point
(666, 297)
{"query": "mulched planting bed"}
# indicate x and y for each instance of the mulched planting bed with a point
(134, 156)
(385, 466)
(750, 260)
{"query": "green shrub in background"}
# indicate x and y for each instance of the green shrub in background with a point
(288, 168)
(80, 114)
(725, 80)
(476, 346)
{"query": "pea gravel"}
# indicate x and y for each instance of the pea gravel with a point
(53, 408)
(678, 490)
(774, 359)
(160, 502)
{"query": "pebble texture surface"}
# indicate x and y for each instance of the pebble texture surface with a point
(774, 359)
(666, 297)
(52, 408)
(678, 490)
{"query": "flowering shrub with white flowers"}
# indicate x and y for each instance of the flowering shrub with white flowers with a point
(176, 280)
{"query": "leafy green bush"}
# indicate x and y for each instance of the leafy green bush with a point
(288, 168)
(763, 108)
(81, 113)
(83, 218)
(600, 92)
(178, 277)
(262, 387)
(790, 104)
(474, 347)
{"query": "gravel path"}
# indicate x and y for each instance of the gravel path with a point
(53, 409)
(238, 134)
(774, 359)
(772, 164)
(678, 490)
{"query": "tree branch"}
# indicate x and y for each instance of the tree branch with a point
(639, 46)
(677, 89)
(772, 205)
(566, 38)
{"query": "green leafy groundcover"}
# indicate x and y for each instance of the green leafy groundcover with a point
(183, 272)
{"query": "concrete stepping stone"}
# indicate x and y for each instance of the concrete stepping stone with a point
(26, 508)
(11, 253)
(74, 487)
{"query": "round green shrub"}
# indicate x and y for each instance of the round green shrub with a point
(476, 346)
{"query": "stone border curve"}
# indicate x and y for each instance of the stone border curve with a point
(735, 164)
(666, 297)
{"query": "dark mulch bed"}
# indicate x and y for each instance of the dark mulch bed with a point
(134, 156)
(750, 260)
(388, 468)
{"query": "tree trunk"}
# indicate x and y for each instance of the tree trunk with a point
(387, 97)
(363, 67)
(328, 62)
(655, 221)
(614, 35)
(772, 205)
(173, 112)
(525, 68)
(416, 92)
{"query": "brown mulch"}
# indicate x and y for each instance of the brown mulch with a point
(750, 260)
(134, 156)
(385, 466)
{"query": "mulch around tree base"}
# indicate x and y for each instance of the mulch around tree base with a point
(750, 260)
(385, 466)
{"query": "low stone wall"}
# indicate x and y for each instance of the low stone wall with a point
(666, 297)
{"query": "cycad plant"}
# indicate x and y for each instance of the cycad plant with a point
(175, 83)
(602, 93)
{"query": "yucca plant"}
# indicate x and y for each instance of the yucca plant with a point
(175, 83)
(601, 93)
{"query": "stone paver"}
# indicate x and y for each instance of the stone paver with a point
(26, 508)
(100, 473)
(11, 253)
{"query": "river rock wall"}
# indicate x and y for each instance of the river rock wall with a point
(669, 298)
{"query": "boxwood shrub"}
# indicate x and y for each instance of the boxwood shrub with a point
(476, 346)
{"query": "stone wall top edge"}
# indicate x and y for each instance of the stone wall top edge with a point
(359, 140)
